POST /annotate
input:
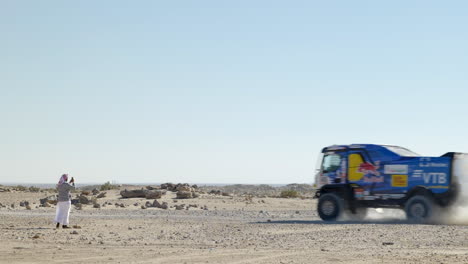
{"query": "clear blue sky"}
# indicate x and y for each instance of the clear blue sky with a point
(224, 91)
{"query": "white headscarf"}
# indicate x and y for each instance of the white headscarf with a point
(63, 178)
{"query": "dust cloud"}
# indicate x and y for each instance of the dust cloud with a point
(458, 213)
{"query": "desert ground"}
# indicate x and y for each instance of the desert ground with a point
(215, 228)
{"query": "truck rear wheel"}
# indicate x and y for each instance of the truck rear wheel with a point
(330, 207)
(419, 208)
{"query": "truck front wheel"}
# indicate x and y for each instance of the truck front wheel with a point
(419, 208)
(330, 207)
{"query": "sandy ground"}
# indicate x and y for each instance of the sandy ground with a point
(232, 230)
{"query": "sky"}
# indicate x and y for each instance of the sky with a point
(223, 91)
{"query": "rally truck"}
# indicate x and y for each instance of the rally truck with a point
(352, 178)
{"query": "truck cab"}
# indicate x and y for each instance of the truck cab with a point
(352, 178)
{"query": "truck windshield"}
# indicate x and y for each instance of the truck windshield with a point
(331, 162)
(402, 151)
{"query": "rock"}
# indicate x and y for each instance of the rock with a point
(36, 236)
(50, 199)
(184, 188)
(225, 194)
(85, 193)
(195, 195)
(156, 204)
(205, 207)
(75, 201)
(168, 186)
(96, 205)
(101, 195)
(164, 206)
(388, 243)
(153, 194)
(184, 195)
(179, 207)
(78, 206)
(143, 207)
(136, 204)
(122, 205)
(95, 191)
(150, 188)
(83, 199)
(216, 192)
(133, 193)
(12, 205)
(22, 204)
(28, 207)
(74, 232)
(148, 204)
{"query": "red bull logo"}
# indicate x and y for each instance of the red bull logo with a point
(370, 171)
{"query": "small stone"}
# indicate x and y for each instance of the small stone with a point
(143, 207)
(156, 204)
(74, 232)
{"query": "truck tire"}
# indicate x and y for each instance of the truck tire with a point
(330, 207)
(419, 208)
